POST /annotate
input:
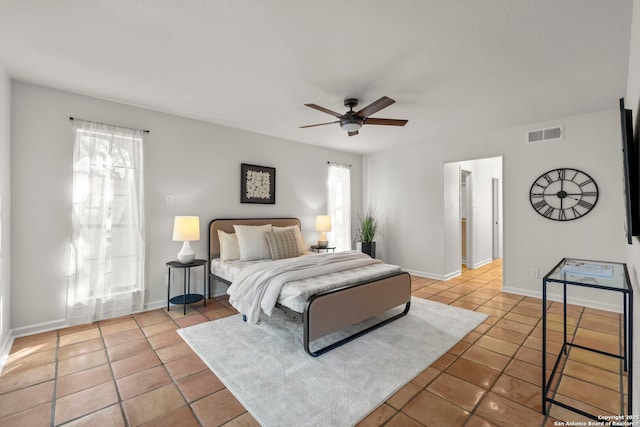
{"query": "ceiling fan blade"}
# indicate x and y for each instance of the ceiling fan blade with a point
(320, 124)
(324, 110)
(355, 132)
(375, 106)
(385, 122)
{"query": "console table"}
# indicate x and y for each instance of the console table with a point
(607, 276)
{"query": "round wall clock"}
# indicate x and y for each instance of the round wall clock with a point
(563, 194)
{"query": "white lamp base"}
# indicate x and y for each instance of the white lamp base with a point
(322, 241)
(186, 254)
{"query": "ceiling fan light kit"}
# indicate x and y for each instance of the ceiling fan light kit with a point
(352, 121)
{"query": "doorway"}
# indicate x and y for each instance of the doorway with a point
(472, 214)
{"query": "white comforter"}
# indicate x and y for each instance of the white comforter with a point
(257, 287)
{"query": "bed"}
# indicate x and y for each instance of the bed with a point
(325, 292)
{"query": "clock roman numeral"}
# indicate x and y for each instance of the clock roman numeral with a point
(548, 212)
(561, 173)
(539, 205)
(547, 177)
(589, 181)
(536, 195)
(562, 216)
(576, 214)
(585, 204)
(590, 194)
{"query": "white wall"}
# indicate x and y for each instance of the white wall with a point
(5, 212)
(407, 186)
(632, 101)
(197, 162)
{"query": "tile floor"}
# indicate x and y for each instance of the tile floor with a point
(136, 370)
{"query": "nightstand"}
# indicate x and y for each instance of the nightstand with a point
(187, 297)
(316, 248)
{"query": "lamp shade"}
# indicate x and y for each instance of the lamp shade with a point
(323, 223)
(186, 228)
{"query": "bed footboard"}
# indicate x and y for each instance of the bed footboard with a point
(334, 310)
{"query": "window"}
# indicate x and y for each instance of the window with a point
(106, 268)
(340, 206)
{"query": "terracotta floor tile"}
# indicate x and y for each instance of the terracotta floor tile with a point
(181, 417)
(401, 420)
(591, 394)
(142, 382)
(525, 371)
(25, 398)
(476, 421)
(606, 328)
(199, 385)
(244, 420)
(514, 325)
(149, 318)
(505, 412)
(173, 352)
(153, 404)
(131, 365)
(159, 328)
(82, 362)
(519, 391)
(119, 327)
(165, 339)
(185, 322)
(132, 348)
(432, 410)
(86, 401)
(123, 338)
(425, 377)
(594, 359)
(455, 390)
(81, 336)
(486, 357)
(27, 359)
(20, 377)
(491, 311)
(185, 366)
(80, 348)
(498, 345)
(473, 372)
(560, 413)
(217, 408)
(593, 375)
(35, 343)
(38, 416)
(83, 380)
(378, 417)
(507, 335)
(404, 395)
(110, 416)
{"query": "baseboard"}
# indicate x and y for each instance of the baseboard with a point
(424, 274)
(39, 328)
(481, 263)
(552, 296)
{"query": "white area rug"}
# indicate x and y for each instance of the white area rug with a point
(267, 370)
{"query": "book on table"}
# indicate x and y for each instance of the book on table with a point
(583, 268)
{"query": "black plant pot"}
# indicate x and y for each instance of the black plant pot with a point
(369, 248)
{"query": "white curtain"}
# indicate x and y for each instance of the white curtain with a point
(340, 206)
(106, 268)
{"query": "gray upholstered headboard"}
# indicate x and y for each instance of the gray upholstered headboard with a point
(226, 225)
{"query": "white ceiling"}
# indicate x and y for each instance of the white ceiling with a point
(454, 67)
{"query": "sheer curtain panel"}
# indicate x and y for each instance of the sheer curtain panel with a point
(106, 266)
(340, 206)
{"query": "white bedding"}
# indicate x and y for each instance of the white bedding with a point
(295, 293)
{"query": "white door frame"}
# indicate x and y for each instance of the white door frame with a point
(495, 216)
(466, 193)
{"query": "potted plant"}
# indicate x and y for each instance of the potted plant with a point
(368, 231)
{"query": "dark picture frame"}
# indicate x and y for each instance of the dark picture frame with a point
(257, 184)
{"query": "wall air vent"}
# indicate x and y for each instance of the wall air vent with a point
(545, 135)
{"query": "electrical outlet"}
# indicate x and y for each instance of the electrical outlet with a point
(534, 273)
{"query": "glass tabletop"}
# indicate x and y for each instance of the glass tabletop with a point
(610, 275)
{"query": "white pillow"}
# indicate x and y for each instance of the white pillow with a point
(229, 249)
(302, 247)
(252, 241)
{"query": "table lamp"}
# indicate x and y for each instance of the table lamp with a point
(186, 229)
(323, 224)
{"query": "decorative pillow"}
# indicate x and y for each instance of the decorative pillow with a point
(283, 244)
(301, 245)
(252, 241)
(229, 249)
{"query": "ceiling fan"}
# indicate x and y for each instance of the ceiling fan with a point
(351, 121)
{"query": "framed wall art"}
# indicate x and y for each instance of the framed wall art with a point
(257, 184)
